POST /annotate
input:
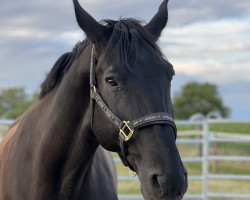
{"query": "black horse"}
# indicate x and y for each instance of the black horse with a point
(112, 90)
(101, 176)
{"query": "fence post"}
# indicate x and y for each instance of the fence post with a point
(199, 136)
(205, 165)
(198, 117)
(215, 153)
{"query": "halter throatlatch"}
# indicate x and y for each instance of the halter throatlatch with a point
(126, 128)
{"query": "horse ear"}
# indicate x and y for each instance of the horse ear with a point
(96, 32)
(159, 21)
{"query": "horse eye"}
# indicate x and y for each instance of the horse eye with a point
(111, 82)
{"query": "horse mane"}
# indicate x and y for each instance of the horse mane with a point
(61, 67)
(125, 37)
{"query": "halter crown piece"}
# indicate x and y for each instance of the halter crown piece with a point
(126, 128)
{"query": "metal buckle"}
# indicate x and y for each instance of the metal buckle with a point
(126, 131)
(92, 89)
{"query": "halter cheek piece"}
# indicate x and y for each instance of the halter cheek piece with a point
(126, 128)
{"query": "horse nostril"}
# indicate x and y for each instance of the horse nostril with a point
(157, 185)
(154, 181)
(171, 187)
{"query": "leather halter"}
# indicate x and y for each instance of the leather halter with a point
(126, 128)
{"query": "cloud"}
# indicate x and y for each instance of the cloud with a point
(210, 49)
(180, 12)
(184, 12)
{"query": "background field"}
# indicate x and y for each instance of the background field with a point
(3, 129)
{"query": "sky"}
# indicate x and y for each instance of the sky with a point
(206, 41)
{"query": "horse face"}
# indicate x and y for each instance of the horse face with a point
(134, 79)
(133, 92)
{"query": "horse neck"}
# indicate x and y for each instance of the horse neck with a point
(67, 142)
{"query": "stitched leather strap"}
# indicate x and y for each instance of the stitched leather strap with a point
(116, 121)
(155, 118)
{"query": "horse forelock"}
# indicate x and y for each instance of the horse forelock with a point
(126, 36)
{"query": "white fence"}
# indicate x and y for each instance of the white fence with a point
(205, 140)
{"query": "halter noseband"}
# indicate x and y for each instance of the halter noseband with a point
(126, 128)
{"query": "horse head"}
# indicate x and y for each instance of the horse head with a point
(131, 110)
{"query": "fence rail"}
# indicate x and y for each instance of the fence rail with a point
(207, 137)
(6, 121)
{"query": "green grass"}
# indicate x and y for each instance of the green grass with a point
(233, 149)
(3, 129)
(231, 128)
(185, 127)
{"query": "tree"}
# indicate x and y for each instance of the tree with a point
(14, 102)
(198, 98)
